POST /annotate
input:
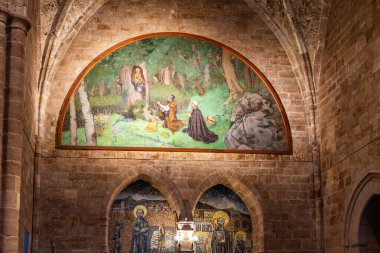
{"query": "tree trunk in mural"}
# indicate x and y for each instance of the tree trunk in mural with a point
(206, 75)
(166, 75)
(147, 114)
(216, 62)
(102, 88)
(196, 60)
(251, 79)
(73, 123)
(181, 80)
(125, 78)
(89, 127)
(230, 76)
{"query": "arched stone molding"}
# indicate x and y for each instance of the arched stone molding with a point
(57, 45)
(298, 57)
(317, 63)
(157, 179)
(364, 191)
(247, 192)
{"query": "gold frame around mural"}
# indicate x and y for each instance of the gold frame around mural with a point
(78, 80)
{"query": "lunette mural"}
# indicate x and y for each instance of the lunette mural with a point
(174, 91)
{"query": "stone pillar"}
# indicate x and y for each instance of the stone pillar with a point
(11, 160)
(3, 47)
(318, 201)
(36, 195)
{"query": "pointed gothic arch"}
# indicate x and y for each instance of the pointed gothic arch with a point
(364, 191)
(157, 180)
(247, 192)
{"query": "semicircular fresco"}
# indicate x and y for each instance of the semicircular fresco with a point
(173, 92)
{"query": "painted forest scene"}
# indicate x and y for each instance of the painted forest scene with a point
(173, 92)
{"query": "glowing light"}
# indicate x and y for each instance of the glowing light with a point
(178, 237)
(194, 238)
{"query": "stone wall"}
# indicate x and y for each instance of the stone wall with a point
(349, 109)
(77, 187)
(18, 7)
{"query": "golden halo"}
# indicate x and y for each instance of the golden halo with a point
(139, 207)
(220, 214)
(242, 234)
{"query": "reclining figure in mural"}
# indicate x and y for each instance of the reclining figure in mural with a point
(140, 229)
(197, 126)
(168, 113)
(221, 241)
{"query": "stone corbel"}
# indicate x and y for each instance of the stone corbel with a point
(14, 20)
(3, 16)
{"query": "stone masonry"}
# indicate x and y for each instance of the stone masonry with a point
(322, 58)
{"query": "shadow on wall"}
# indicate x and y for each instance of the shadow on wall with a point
(369, 228)
(362, 222)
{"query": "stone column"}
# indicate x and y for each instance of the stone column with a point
(17, 27)
(36, 195)
(3, 47)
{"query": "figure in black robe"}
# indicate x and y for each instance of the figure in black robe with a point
(239, 247)
(197, 126)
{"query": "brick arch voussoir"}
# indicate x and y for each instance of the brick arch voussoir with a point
(162, 183)
(167, 188)
(368, 187)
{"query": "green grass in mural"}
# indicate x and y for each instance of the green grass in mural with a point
(80, 135)
(134, 133)
(107, 100)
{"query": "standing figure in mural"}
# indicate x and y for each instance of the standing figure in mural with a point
(168, 113)
(206, 247)
(197, 126)
(116, 237)
(199, 245)
(138, 80)
(140, 229)
(240, 241)
(161, 238)
(220, 241)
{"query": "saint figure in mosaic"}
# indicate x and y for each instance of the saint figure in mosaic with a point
(140, 229)
(221, 240)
